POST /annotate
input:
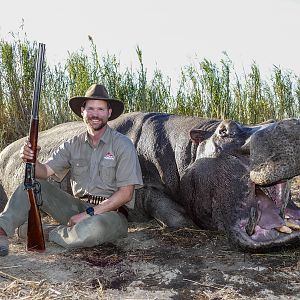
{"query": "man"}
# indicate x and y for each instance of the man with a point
(104, 171)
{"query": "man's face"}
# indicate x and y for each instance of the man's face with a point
(95, 114)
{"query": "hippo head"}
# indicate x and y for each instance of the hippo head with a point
(240, 183)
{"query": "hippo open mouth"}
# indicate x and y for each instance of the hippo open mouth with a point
(274, 219)
(275, 214)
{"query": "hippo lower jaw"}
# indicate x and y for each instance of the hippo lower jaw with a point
(273, 223)
(241, 240)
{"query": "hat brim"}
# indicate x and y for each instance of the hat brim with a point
(117, 106)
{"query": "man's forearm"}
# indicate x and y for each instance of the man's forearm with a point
(42, 171)
(116, 200)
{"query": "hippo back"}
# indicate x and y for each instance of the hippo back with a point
(12, 168)
(163, 145)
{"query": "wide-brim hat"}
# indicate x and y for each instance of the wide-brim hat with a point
(97, 92)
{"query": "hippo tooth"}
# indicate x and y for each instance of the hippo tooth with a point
(252, 221)
(286, 187)
(283, 190)
(284, 229)
(293, 225)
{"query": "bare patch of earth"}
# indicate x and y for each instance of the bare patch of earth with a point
(151, 263)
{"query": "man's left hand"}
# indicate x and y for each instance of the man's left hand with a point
(77, 218)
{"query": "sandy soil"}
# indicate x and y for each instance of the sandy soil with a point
(151, 263)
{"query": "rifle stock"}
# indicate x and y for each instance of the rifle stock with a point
(35, 236)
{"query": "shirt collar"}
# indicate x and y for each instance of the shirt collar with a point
(105, 137)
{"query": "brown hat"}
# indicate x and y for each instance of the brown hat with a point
(97, 92)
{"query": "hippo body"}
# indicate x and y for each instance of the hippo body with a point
(196, 172)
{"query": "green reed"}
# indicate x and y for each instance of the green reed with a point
(205, 88)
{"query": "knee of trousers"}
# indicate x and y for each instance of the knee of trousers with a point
(92, 231)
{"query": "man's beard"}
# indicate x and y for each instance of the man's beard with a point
(99, 127)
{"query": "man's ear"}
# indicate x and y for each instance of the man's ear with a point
(82, 109)
(109, 112)
(198, 135)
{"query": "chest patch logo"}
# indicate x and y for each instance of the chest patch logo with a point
(109, 156)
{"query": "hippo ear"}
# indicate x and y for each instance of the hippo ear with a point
(267, 122)
(198, 135)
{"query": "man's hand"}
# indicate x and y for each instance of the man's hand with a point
(77, 218)
(26, 152)
(42, 171)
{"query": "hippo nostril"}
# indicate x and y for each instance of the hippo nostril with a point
(252, 221)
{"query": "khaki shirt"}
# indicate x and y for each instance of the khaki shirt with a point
(99, 170)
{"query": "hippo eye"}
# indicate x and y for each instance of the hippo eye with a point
(223, 132)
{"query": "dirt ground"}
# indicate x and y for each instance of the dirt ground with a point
(151, 263)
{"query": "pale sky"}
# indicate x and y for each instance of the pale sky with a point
(171, 33)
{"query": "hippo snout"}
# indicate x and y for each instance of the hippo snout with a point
(274, 152)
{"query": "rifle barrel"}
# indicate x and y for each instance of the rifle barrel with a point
(38, 80)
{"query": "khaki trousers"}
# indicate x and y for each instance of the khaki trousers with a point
(61, 206)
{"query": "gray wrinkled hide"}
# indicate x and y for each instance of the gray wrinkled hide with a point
(165, 151)
(275, 152)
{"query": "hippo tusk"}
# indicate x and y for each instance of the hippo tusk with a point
(292, 225)
(285, 198)
(252, 221)
(284, 191)
(284, 229)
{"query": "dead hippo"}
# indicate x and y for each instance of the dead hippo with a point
(240, 183)
(196, 171)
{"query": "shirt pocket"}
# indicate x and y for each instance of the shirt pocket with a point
(107, 170)
(79, 167)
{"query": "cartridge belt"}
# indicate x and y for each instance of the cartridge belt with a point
(93, 199)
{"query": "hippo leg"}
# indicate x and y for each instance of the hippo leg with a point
(3, 198)
(162, 208)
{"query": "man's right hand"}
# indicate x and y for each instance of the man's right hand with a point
(26, 151)
(42, 171)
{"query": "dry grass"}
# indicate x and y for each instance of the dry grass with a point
(22, 289)
(205, 89)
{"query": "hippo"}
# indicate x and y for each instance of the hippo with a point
(243, 176)
(210, 173)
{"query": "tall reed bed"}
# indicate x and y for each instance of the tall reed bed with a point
(205, 88)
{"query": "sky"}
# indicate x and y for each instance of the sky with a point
(170, 33)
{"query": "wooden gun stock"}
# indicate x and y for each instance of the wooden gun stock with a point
(35, 236)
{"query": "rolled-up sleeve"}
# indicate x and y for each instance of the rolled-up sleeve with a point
(128, 170)
(59, 161)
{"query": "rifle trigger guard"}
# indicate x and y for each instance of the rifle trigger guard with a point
(37, 191)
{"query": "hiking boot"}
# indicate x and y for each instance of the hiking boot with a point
(3, 243)
(22, 231)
